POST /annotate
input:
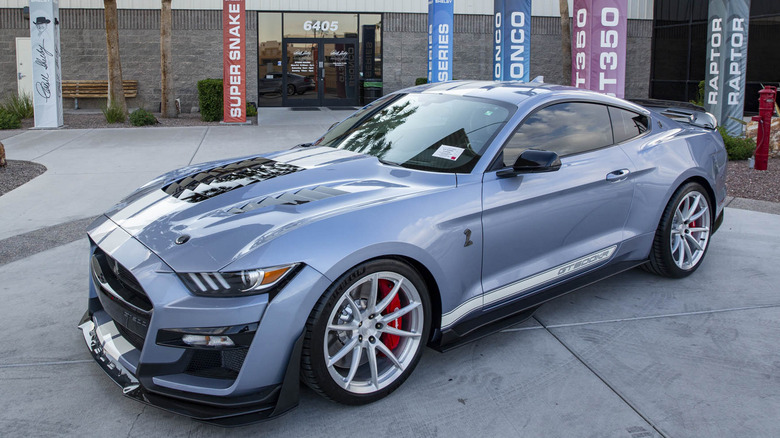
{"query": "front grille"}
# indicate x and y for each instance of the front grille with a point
(128, 305)
(217, 364)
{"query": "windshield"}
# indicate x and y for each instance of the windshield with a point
(434, 132)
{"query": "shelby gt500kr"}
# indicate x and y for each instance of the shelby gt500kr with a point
(430, 217)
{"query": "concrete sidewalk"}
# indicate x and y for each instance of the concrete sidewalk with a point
(634, 356)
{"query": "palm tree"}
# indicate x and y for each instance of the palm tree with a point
(116, 91)
(565, 42)
(167, 106)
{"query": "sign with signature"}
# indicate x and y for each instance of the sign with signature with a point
(45, 44)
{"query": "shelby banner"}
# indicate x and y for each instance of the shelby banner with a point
(234, 61)
(440, 24)
(46, 70)
(727, 43)
(512, 40)
(598, 58)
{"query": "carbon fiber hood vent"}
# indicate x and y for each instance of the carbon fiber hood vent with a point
(289, 198)
(218, 180)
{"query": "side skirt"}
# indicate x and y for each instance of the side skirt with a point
(520, 309)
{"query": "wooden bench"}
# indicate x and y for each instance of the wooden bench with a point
(94, 89)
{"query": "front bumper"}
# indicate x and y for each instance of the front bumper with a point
(125, 339)
(108, 346)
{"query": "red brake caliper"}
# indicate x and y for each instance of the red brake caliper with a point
(391, 341)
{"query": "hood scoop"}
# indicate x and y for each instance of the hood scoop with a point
(218, 180)
(291, 198)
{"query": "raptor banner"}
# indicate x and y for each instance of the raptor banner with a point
(234, 61)
(599, 46)
(440, 24)
(511, 40)
(727, 43)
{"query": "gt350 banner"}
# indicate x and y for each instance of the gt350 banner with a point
(599, 46)
(440, 15)
(234, 61)
(727, 42)
(512, 40)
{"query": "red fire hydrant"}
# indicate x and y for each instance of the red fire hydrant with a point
(766, 107)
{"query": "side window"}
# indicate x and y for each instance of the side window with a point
(564, 128)
(627, 124)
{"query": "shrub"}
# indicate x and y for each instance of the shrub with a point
(8, 120)
(210, 98)
(142, 117)
(20, 105)
(699, 95)
(738, 148)
(420, 81)
(114, 113)
(251, 109)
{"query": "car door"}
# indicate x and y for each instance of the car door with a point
(540, 228)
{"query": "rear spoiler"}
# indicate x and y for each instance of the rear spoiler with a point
(682, 112)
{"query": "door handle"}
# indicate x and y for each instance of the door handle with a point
(618, 175)
(20, 75)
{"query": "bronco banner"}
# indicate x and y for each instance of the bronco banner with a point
(511, 40)
(599, 41)
(440, 24)
(726, 61)
(234, 61)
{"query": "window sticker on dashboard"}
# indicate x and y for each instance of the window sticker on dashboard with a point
(451, 153)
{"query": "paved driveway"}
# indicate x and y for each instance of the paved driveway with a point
(633, 356)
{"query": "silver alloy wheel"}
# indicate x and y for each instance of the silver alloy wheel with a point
(690, 230)
(357, 358)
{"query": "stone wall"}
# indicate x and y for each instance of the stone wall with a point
(196, 46)
(405, 50)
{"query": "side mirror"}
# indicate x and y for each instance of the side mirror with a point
(533, 161)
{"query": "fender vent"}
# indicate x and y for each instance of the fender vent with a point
(291, 198)
(218, 180)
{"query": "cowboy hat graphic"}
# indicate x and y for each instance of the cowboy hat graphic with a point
(42, 20)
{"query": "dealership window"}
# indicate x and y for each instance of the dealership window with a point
(680, 49)
(319, 59)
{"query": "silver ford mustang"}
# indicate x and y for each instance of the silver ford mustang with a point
(433, 216)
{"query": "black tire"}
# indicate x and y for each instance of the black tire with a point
(290, 89)
(662, 260)
(314, 359)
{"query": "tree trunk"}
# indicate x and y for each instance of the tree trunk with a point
(116, 91)
(565, 42)
(3, 163)
(168, 106)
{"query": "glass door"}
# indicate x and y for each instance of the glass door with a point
(319, 73)
(299, 85)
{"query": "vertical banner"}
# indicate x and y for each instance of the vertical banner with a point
(511, 40)
(727, 43)
(599, 46)
(45, 44)
(440, 30)
(234, 61)
(369, 52)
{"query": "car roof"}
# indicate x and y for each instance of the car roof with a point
(519, 93)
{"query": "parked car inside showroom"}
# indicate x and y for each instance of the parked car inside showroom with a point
(430, 217)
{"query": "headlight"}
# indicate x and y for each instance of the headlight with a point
(239, 284)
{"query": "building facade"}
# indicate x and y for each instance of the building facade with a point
(360, 49)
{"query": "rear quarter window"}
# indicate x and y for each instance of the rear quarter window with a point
(627, 124)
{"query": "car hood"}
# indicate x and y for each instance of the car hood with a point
(202, 218)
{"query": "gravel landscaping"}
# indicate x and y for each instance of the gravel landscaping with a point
(744, 182)
(17, 173)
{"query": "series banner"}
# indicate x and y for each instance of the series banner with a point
(46, 69)
(599, 41)
(512, 40)
(727, 44)
(440, 26)
(234, 61)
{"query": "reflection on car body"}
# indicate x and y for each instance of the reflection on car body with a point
(430, 217)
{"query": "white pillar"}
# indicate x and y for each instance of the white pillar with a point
(45, 44)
